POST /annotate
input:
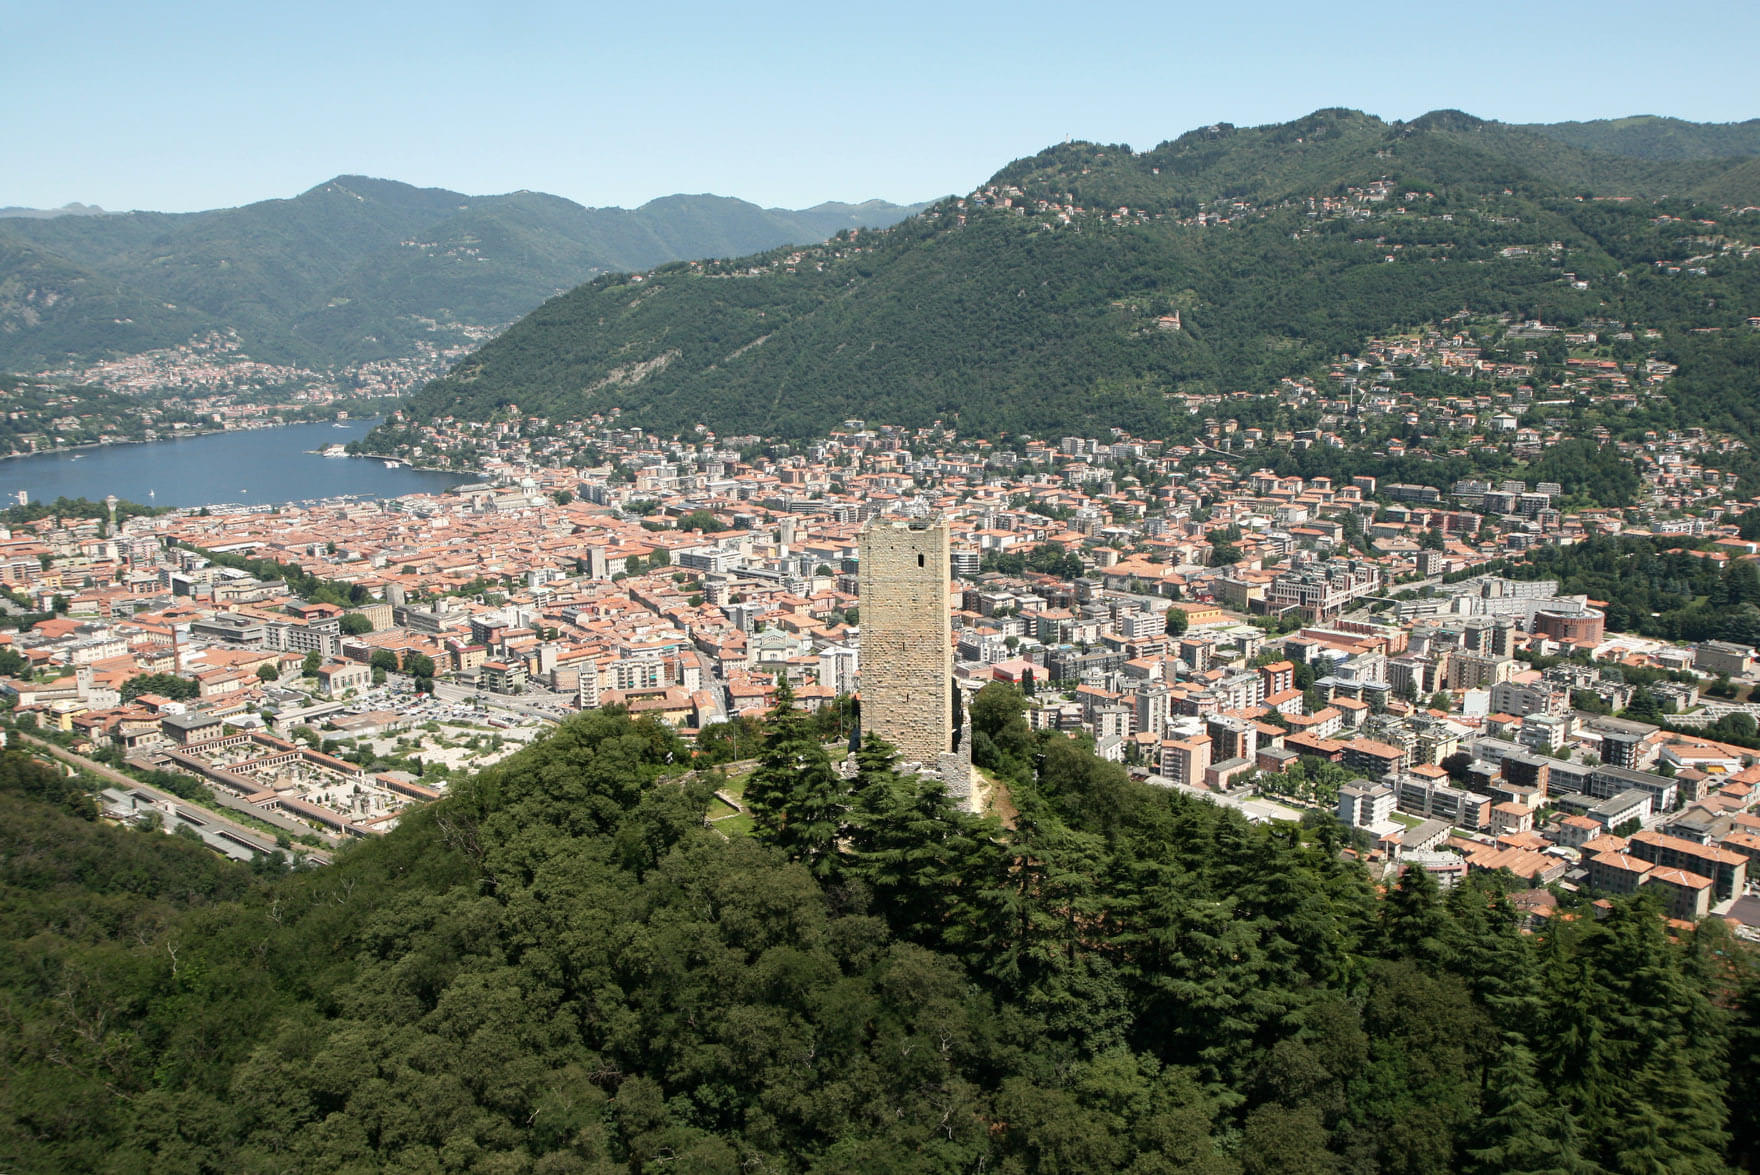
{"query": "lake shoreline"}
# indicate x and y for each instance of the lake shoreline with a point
(178, 435)
(255, 465)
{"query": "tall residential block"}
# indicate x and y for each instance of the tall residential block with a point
(906, 654)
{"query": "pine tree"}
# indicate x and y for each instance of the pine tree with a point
(797, 798)
(1516, 1132)
(1744, 1072)
(1194, 962)
(875, 762)
(1518, 1128)
(1413, 925)
(1633, 1048)
(816, 807)
(768, 787)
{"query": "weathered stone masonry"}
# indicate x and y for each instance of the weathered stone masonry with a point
(906, 657)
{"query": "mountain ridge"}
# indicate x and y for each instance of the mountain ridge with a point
(1034, 303)
(352, 269)
(73, 208)
(1652, 136)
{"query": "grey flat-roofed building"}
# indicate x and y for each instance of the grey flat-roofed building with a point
(1628, 805)
(1426, 836)
(1565, 776)
(231, 628)
(1572, 803)
(1496, 750)
(1605, 782)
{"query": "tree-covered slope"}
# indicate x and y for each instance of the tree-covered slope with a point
(1330, 149)
(1044, 301)
(560, 969)
(1647, 136)
(248, 267)
(353, 269)
(51, 306)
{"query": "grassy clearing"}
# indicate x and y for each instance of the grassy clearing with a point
(736, 785)
(737, 824)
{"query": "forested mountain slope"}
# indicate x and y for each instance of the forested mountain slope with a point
(353, 269)
(559, 969)
(1045, 300)
(1646, 136)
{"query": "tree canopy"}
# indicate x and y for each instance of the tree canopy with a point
(559, 967)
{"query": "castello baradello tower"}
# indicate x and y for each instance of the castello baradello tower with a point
(906, 657)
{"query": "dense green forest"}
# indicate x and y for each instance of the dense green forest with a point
(560, 969)
(1007, 313)
(354, 269)
(1323, 152)
(1648, 137)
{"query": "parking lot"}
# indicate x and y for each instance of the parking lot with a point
(454, 727)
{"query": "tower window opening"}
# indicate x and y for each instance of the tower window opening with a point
(919, 560)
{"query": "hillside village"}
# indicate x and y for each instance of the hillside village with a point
(1276, 642)
(207, 384)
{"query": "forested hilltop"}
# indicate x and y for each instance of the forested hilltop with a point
(354, 270)
(1647, 136)
(1092, 286)
(560, 969)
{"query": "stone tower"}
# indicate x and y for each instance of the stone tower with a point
(906, 655)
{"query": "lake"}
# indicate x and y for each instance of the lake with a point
(253, 467)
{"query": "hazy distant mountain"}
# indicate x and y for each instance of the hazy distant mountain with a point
(354, 269)
(1091, 285)
(1646, 136)
(75, 209)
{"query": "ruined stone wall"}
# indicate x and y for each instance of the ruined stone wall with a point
(906, 656)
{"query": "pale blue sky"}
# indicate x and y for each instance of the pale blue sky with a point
(186, 104)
